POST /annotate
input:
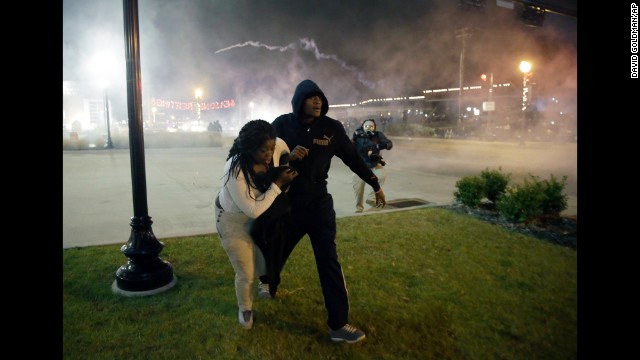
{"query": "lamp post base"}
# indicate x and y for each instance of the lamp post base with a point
(145, 273)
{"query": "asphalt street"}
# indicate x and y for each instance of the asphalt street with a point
(181, 183)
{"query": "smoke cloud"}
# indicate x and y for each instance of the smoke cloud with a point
(257, 52)
(307, 45)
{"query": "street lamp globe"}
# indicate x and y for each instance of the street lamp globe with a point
(525, 66)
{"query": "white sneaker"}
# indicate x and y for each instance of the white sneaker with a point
(263, 291)
(245, 318)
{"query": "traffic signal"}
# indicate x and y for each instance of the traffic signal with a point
(532, 15)
(474, 5)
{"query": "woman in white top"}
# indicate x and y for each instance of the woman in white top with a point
(244, 196)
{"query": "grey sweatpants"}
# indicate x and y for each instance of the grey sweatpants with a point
(245, 256)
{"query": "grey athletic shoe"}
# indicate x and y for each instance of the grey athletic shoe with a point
(347, 333)
(263, 291)
(245, 318)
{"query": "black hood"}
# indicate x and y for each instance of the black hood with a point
(305, 90)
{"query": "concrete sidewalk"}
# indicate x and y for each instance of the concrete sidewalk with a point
(181, 186)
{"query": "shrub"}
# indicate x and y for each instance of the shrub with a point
(553, 199)
(533, 199)
(470, 190)
(495, 183)
(520, 203)
(491, 184)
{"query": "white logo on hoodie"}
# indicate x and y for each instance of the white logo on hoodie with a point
(326, 141)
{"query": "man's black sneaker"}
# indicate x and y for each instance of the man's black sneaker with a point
(263, 291)
(347, 333)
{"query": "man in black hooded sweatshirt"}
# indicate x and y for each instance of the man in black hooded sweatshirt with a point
(314, 139)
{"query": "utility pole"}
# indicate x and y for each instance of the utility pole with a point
(489, 132)
(463, 34)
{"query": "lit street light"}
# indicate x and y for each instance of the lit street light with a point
(525, 67)
(102, 64)
(251, 105)
(109, 144)
(490, 105)
(198, 94)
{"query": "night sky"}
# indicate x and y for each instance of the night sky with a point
(355, 50)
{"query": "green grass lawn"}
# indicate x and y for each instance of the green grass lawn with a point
(427, 283)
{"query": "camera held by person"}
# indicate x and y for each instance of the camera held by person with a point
(363, 134)
(376, 158)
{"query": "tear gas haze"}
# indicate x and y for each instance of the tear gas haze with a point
(257, 52)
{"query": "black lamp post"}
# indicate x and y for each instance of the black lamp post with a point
(145, 273)
(109, 144)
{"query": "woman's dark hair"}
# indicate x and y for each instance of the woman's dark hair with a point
(251, 137)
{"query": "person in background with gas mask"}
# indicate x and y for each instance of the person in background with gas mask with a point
(369, 142)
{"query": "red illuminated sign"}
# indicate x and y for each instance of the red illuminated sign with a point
(182, 105)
